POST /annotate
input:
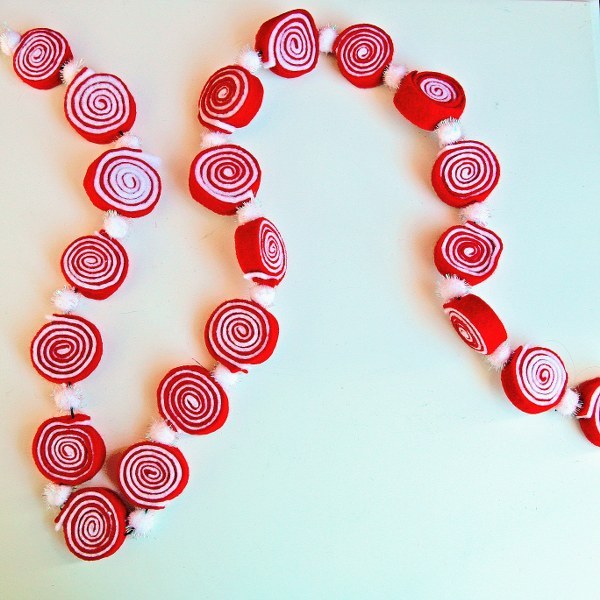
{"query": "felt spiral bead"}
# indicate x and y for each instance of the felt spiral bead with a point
(476, 323)
(123, 179)
(468, 251)
(40, 56)
(93, 521)
(68, 450)
(589, 414)
(289, 43)
(96, 265)
(151, 474)
(224, 177)
(190, 400)
(229, 99)
(67, 349)
(363, 52)
(261, 252)
(534, 379)
(425, 98)
(99, 106)
(240, 333)
(465, 172)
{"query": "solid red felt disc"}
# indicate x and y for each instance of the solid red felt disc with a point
(589, 413)
(68, 450)
(425, 98)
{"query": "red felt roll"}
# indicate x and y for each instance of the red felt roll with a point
(230, 99)
(425, 98)
(363, 52)
(534, 379)
(151, 474)
(96, 265)
(289, 43)
(67, 349)
(468, 251)
(190, 400)
(465, 172)
(123, 180)
(93, 521)
(261, 252)
(39, 57)
(240, 333)
(476, 323)
(68, 450)
(589, 414)
(224, 177)
(99, 106)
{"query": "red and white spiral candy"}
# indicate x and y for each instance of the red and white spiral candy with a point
(289, 43)
(190, 400)
(68, 450)
(99, 106)
(230, 99)
(123, 179)
(93, 521)
(589, 414)
(363, 52)
(96, 265)
(261, 252)
(476, 323)
(468, 251)
(240, 333)
(534, 379)
(67, 349)
(39, 57)
(465, 172)
(425, 98)
(224, 177)
(151, 474)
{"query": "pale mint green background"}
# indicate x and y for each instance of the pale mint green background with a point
(374, 456)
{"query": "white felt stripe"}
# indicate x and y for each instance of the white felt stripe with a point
(541, 376)
(466, 330)
(39, 54)
(292, 44)
(363, 51)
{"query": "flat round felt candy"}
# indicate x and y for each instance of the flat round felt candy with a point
(151, 474)
(39, 57)
(476, 323)
(99, 106)
(240, 333)
(425, 98)
(96, 265)
(67, 349)
(465, 172)
(68, 450)
(122, 179)
(589, 412)
(534, 379)
(93, 521)
(363, 52)
(289, 43)
(190, 400)
(224, 177)
(261, 252)
(230, 99)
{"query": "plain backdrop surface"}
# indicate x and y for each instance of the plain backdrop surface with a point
(374, 456)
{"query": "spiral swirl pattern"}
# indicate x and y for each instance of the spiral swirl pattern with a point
(192, 401)
(96, 265)
(363, 52)
(151, 474)
(123, 179)
(68, 450)
(67, 349)
(467, 330)
(468, 251)
(224, 177)
(39, 57)
(93, 522)
(289, 43)
(241, 333)
(99, 106)
(438, 89)
(465, 172)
